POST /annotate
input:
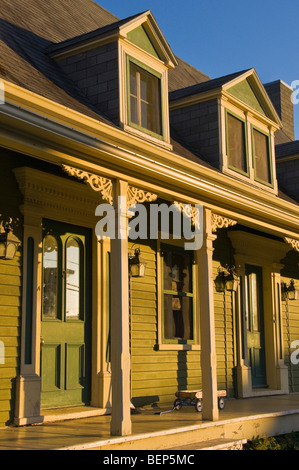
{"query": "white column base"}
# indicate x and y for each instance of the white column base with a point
(28, 390)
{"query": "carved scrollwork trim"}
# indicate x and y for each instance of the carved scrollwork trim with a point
(97, 183)
(294, 243)
(138, 196)
(219, 221)
(189, 211)
(105, 187)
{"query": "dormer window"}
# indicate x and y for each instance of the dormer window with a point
(250, 122)
(144, 93)
(230, 122)
(248, 147)
(122, 69)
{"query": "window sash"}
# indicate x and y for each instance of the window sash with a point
(178, 320)
(261, 156)
(145, 104)
(236, 143)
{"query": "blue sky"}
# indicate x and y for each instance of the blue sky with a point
(219, 37)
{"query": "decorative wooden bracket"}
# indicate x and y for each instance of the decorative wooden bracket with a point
(189, 211)
(97, 183)
(294, 243)
(105, 187)
(138, 196)
(219, 221)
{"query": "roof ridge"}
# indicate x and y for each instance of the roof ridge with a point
(90, 34)
(207, 84)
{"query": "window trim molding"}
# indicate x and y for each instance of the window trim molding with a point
(155, 66)
(174, 345)
(146, 68)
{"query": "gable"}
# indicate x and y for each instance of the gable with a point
(139, 37)
(244, 92)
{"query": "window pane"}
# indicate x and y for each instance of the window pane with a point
(134, 113)
(178, 317)
(177, 271)
(254, 302)
(261, 156)
(133, 80)
(50, 268)
(72, 309)
(236, 143)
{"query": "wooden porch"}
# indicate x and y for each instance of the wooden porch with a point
(178, 430)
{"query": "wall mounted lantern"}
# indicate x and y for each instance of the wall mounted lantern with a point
(289, 291)
(9, 243)
(137, 265)
(226, 279)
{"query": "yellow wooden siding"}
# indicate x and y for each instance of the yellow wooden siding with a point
(156, 374)
(224, 333)
(10, 302)
(290, 322)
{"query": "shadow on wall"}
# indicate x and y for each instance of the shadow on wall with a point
(152, 401)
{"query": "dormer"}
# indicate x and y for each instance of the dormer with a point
(123, 70)
(230, 122)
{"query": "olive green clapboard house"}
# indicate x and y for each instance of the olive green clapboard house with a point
(94, 108)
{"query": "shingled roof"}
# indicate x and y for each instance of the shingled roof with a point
(29, 31)
(85, 37)
(287, 149)
(203, 86)
(27, 34)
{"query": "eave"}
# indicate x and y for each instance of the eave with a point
(53, 133)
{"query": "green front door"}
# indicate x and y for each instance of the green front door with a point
(255, 325)
(66, 313)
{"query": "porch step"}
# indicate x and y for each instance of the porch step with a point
(214, 444)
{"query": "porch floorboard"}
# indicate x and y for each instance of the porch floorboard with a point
(240, 419)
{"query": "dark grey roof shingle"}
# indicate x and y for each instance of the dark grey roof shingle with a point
(287, 149)
(85, 37)
(210, 84)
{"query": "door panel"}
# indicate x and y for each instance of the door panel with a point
(51, 367)
(75, 359)
(255, 325)
(65, 326)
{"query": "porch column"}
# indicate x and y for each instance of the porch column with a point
(28, 383)
(120, 351)
(277, 371)
(207, 321)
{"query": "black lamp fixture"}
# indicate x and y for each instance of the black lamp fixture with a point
(226, 280)
(289, 291)
(9, 243)
(137, 265)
